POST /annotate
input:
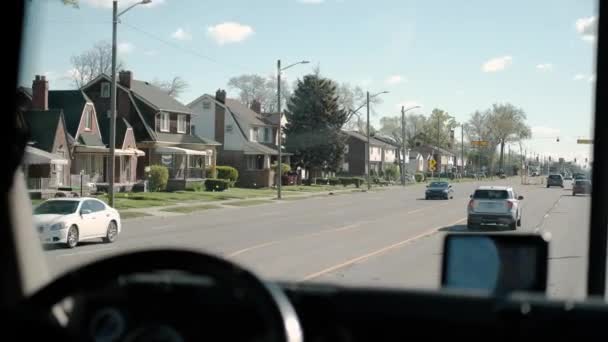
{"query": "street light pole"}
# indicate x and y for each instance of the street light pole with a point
(461, 150)
(369, 185)
(279, 170)
(403, 110)
(111, 166)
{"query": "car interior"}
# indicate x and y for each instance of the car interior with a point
(175, 295)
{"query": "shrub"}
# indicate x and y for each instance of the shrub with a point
(320, 181)
(159, 176)
(419, 177)
(228, 173)
(333, 181)
(392, 172)
(216, 184)
(356, 181)
(285, 167)
(211, 172)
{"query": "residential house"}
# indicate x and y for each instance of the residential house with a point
(354, 162)
(443, 158)
(417, 162)
(248, 138)
(47, 157)
(161, 126)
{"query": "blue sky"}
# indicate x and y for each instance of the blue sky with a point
(457, 56)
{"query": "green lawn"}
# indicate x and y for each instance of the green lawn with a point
(132, 214)
(249, 203)
(191, 208)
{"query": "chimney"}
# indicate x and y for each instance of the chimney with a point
(220, 95)
(124, 78)
(256, 106)
(40, 93)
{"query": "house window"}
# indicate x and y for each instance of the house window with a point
(206, 105)
(267, 134)
(181, 124)
(105, 90)
(346, 149)
(345, 167)
(254, 132)
(164, 122)
(255, 162)
(88, 119)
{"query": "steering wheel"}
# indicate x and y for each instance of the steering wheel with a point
(276, 310)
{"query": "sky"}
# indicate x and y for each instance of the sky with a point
(457, 56)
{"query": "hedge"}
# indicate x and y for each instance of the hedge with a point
(285, 168)
(211, 172)
(159, 176)
(228, 173)
(216, 184)
(419, 177)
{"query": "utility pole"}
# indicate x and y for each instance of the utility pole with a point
(403, 145)
(279, 142)
(369, 185)
(462, 150)
(113, 108)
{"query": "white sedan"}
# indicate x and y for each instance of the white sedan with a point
(71, 220)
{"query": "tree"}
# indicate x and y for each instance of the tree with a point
(263, 89)
(436, 129)
(353, 99)
(507, 124)
(315, 120)
(92, 63)
(174, 87)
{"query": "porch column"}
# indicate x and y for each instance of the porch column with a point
(186, 170)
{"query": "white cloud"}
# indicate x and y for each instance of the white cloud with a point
(496, 64)
(121, 3)
(544, 67)
(395, 79)
(591, 78)
(544, 132)
(311, 2)
(409, 104)
(578, 77)
(587, 28)
(125, 48)
(229, 32)
(181, 34)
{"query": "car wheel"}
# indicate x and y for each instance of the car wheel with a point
(547, 185)
(72, 238)
(573, 193)
(112, 233)
(513, 226)
(519, 222)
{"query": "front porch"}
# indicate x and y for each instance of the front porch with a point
(187, 167)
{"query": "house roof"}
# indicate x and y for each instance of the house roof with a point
(121, 129)
(42, 126)
(27, 91)
(373, 141)
(182, 139)
(387, 139)
(72, 103)
(427, 149)
(90, 139)
(158, 98)
(245, 115)
(271, 118)
(251, 147)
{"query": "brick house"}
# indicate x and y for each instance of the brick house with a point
(380, 154)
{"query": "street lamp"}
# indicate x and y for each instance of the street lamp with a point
(115, 16)
(279, 130)
(369, 185)
(403, 110)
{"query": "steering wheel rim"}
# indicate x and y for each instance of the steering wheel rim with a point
(281, 314)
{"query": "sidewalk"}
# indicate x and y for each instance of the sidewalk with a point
(166, 211)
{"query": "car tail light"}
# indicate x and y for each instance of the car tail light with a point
(471, 204)
(509, 205)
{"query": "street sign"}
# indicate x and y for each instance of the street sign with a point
(584, 141)
(480, 143)
(432, 164)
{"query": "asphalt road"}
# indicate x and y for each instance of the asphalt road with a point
(385, 238)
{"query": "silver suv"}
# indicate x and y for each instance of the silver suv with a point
(497, 205)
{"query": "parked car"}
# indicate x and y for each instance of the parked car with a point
(581, 186)
(68, 221)
(442, 190)
(579, 176)
(497, 205)
(555, 180)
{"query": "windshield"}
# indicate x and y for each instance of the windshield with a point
(299, 139)
(56, 207)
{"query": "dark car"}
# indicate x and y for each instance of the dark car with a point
(441, 190)
(581, 186)
(555, 180)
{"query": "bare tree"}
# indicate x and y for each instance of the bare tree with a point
(263, 89)
(92, 63)
(353, 100)
(175, 87)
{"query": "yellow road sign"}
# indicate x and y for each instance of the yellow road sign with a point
(480, 143)
(584, 141)
(432, 164)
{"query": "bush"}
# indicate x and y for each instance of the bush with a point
(419, 177)
(356, 181)
(211, 172)
(333, 181)
(286, 168)
(216, 184)
(228, 173)
(159, 176)
(392, 172)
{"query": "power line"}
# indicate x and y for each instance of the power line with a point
(189, 51)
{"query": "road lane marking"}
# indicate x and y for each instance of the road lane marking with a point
(376, 252)
(245, 250)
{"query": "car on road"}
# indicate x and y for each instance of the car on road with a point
(441, 190)
(555, 180)
(579, 176)
(581, 186)
(497, 205)
(68, 221)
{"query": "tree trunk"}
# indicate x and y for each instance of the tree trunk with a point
(502, 155)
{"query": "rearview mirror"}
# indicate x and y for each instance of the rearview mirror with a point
(85, 211)
(519, 198)
(495, 263)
